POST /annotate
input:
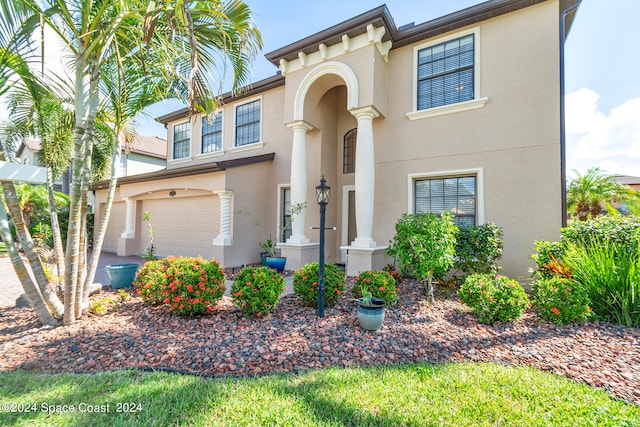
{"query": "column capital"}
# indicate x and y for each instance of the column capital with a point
(300, 125)
(369, 112)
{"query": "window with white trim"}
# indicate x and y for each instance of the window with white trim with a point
(212, 133)
(456, 195)
(248, 123)
(181, 140)
(446, 73)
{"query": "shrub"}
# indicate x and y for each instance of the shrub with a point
(493, 299)
(425, 246)
(548, 260)
(478, 248)
(623, 231)
(305, 283)
(561, 300)
(393, 271)
(151, 281)
(380, 283)
(610, 275)
(257, 290)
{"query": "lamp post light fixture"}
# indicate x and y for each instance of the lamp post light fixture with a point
(322, 196)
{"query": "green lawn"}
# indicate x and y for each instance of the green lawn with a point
(422, 394)
(3, 248)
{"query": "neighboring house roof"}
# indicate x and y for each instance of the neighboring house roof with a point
(152, 146)
(186, 171)
(381, 17)
(30, 144)
(627, 179)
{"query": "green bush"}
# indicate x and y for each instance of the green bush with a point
(305, 284)
(548, 259)
(623, 231)
(610, 274)
(187, 285)
(151, 281)
(493, 299)
(478, 248)
(380, 283)
(257, 290)
(561, 300)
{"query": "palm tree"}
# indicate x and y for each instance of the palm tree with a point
(588, 194)
(182, 41)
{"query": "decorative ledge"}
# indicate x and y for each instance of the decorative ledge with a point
(447, 109)
(246, 147)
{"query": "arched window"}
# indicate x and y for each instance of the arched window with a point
(349, 157)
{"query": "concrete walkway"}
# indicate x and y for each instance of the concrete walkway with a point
(10, 287)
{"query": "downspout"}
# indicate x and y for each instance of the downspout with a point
(563, 150)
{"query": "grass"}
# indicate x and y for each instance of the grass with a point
(3, 248)
(419, 394)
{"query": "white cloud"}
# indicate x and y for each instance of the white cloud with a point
(611, 141)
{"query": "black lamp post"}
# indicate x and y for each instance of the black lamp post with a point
(322, 196)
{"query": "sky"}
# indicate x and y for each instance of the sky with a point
(602, 83)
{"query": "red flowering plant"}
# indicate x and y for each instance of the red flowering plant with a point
(493, 299)
(561, 300)
(380, 283)
(305, 283)
(257, 290)
(393, 271)
(151, 281)
(194, 285)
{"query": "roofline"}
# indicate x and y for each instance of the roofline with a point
(187, 171)
(250, 90)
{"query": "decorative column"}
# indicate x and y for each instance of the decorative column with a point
(299, 179)
(224, 237)
(364, 177)
(130, 223)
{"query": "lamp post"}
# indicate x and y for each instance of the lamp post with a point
(322, 196)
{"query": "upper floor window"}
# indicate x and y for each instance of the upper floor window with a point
(454, 194)
(181, 140)
(248, 123)
(349, 155)
(446, 73)
(212, 133)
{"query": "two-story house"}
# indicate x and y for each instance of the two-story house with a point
(461, 113)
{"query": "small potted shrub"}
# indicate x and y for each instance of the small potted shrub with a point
(305, 284)
(269, 258)
(257, 290)
(493, 299)
(370, 310)
(379, 283)
(561, 300)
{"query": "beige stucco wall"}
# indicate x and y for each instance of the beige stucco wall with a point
(138, 164)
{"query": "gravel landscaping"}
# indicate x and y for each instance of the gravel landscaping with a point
(294, 339)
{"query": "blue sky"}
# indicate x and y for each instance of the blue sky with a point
(602, 63)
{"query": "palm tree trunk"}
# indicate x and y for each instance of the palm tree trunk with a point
(49, 294)
(55, 226)
(30, 289)
(81, 305)
(104, 222)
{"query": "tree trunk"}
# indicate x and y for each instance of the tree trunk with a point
(104, 222)
(55, 226)
(30, 289)
(428, 282)
(49, 294)
(582, 211)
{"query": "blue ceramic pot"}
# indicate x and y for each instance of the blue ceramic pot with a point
(121, 275)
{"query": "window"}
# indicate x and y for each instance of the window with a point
(212, 133)
(248, 123)
(456, 195)
(349, 156)
(446, 73)
(286, 214)
(181, 140)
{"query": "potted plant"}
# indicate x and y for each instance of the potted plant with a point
(269, 257)
(370, 311)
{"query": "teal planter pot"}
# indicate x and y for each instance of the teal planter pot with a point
(122, 275)
(371, 316)
(276, 262)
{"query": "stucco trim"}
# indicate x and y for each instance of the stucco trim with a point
(447, 109)
(332, 67)
(477, 172)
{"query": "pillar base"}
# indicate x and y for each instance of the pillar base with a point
(364, 242)
(127, 247)
(299, 254)
(222, 240)
(365, 259)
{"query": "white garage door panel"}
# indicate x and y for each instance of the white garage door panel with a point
(115, 228)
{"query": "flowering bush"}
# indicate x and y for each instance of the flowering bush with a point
(257, 290)
(561, 300)
(151, 281)
(305, 283)
(393, 271)
(493, 299)
(380, 283)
